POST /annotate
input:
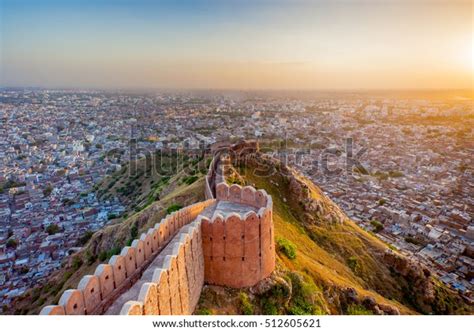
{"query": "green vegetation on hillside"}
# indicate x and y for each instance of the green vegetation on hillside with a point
(52, 229)
(326, 266)
(101, 245)
(286, 247)
(174, 207)
(142, 182)
(11, 243)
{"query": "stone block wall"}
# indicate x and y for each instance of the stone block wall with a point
(95, 293)
(235, 250)
(239, 251)
(176, 284)
(227, 151)
(209, 180)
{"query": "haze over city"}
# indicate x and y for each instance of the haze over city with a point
(237, 158)
(237, 44)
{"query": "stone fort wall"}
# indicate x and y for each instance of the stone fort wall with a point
(209, 189)
(188, 249)
(225, 150)
(231, 251)
(176, 284)
(239, 250)
(96, 292)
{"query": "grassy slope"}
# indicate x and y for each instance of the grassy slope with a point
(146, 180)
(118, 233)
(330, 258)
(326, 260)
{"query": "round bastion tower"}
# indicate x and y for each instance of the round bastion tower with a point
(237, 237)
(226, 240)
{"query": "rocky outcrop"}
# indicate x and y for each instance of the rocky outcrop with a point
(315, 209)
(417, 276)
(233, 246)
(349, 296)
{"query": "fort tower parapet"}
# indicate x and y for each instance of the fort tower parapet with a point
(227, 240)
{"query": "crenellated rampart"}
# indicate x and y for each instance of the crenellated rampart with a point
(239, 248)
(227, 240)
(176, 283)
(95, 293)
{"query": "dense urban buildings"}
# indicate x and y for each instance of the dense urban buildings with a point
(400, 166)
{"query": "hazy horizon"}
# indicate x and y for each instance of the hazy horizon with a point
(237, 45)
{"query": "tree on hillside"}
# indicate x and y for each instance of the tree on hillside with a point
(52, 229)
(12, 243)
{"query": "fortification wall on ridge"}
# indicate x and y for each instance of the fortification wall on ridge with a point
(209, 180)
(95, 293)
(177, 283)
(239, 250)
(215, 174)
(170, 262)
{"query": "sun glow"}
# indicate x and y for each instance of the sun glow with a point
(472, 54)
(328, 45)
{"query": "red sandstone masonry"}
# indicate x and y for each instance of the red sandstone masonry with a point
(178, 280)
(148, 297)
(147, 246)
(73, 302)
(105, 273)
(236, 251)
(132, 308)
(54, 310)
(129, 254)
(95, 293)
(239, 251)
(160, 277)
(251, 263)
(90, 287)
(154, 238)
(119, 270)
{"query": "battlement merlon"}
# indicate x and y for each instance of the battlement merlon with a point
(223, 154)
(227, 240)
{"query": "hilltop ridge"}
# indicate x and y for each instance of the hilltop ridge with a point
(349, 270)
(173, 193)
(325, 263)
(226, 240)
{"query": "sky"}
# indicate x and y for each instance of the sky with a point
(291, 45)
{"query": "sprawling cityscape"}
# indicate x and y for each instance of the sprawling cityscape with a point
(228, 158)
(410, 180)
